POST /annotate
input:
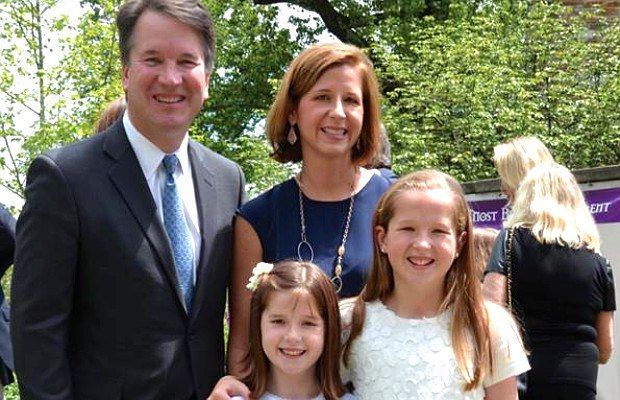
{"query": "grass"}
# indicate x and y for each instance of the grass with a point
(11, 392)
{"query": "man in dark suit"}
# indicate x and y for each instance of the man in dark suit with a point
(7, 248)
(124, 243)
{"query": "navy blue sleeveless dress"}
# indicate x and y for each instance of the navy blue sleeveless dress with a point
(275, 217)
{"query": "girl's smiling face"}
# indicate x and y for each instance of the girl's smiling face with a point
(293, 333)
(421, 240)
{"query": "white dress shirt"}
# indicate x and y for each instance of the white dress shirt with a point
(150, 158)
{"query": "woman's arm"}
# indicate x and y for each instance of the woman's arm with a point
(604, 325)
(502, 390)
(247, 252)
(494, 284)
(494, 288)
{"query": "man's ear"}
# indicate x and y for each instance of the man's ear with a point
(125, 76)
(205, 93)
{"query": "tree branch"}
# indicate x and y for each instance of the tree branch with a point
(15, 99)
(340, 26)
(15, 170)
(336, 23)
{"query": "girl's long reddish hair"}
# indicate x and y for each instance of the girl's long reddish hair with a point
(462, 292)
(302, 277)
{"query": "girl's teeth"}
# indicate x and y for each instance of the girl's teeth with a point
(420, 260)
(292, 352)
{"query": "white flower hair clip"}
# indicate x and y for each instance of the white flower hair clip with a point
(260, 269)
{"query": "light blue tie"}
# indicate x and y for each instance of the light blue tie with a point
(178, 231)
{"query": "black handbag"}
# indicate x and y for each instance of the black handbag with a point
(522, 378)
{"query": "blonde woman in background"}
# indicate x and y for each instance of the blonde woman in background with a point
(562, 288)
(515, 158)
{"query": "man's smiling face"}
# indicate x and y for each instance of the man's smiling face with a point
(165, 80)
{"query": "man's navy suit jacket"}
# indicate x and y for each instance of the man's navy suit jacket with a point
(97, 309)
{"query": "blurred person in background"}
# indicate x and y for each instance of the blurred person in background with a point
(514, 158)
(7, 249)
(382, 162)
(484, 239)
(112, 112)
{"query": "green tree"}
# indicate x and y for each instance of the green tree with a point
(461, 76)
(520, 68)
(30, 98)
(458, 77)
(252, 55)
(91, 64)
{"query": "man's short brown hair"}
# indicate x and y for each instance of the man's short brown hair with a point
(190, 12)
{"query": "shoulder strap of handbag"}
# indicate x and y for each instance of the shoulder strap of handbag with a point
(508, 266)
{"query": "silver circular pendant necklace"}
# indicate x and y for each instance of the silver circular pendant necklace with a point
(304, 244)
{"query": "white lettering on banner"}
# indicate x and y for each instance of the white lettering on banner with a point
(505, 213)
(484, 216)
(597, 208)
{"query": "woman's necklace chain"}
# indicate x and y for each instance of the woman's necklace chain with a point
(337, 278)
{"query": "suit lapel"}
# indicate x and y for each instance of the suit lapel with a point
(129, 180)
(206, 201)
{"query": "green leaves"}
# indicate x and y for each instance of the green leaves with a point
(458, 77)
(475, 79)
(253, 53)
(28, 92)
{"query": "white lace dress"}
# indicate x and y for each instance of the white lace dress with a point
(398, 358)
(269, 396)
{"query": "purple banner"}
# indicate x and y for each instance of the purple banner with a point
(604, 205)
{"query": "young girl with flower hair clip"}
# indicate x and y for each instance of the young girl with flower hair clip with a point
(294, 334)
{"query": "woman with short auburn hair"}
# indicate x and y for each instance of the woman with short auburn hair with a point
(303, 73)
(326, 115)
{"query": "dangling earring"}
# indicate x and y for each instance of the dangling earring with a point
(292, 136)
(358, 145)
